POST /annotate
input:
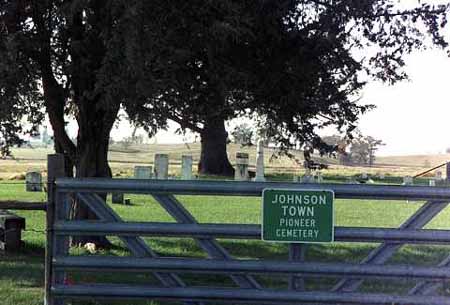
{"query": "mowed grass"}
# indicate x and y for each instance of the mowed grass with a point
(22, 275)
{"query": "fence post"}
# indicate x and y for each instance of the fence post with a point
(55, 169)
(297, 254)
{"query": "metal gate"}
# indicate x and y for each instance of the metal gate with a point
(244, 274)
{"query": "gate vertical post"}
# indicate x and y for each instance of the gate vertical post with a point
(297, 254)
(55, 169)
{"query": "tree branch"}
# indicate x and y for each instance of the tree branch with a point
(184, 123)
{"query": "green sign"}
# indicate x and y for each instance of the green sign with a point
(304, 216)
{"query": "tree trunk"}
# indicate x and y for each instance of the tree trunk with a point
(214, 158)
(92, 159)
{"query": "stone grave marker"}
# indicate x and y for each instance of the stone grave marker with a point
(117, 198)
(186, 167)
(408, 180)
(241, 171)
(33, 182)
(142, 172)
(161, 166)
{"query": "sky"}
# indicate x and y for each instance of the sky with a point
(412, 117)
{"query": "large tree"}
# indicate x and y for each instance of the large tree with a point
(299, 65)
(201, 44)
(68, 58)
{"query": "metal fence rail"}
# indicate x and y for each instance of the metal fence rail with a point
(242, 188)
(243, 231)
(244, 273)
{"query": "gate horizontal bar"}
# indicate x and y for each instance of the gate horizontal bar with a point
(308, 269)
(242, 231)
(237, 295)
(247, 188)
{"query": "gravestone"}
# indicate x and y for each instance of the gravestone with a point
(432, 182)
(381, 176)
(408, 180)
(33, 182)
(142, 172)
(161, 166)
(438, 176)
(117, 198)
(186, 167)
(259, 177)
(241, 171)
(364, 176)
(307, 179)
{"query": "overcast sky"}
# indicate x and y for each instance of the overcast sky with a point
(412, 117)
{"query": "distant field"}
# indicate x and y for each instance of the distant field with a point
(123, 161)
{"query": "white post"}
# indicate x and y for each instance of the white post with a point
(142, 172)
(241, 171)
(259, 176)
(161, 166)
(186, 167)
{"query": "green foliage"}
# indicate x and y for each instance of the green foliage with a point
(243, 134)
(363, 148)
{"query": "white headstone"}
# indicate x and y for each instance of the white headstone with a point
(161, 166)
(381, 176)
(307, 179)
(186, 167)
(241, 171)
(432, 182)
(142, 172)
(408, 180)
(33, 182)
(259, 176)
(364, 176)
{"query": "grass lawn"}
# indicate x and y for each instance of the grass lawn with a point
(22, 275)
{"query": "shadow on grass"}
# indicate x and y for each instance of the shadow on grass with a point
(24, 271)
